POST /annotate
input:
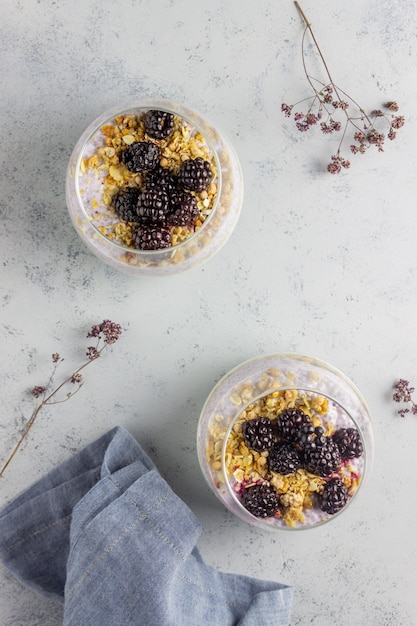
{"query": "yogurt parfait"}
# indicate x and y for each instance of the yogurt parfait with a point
(285, 441)
(153, 188)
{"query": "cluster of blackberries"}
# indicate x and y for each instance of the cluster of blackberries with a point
(166, 200)
(293, 442)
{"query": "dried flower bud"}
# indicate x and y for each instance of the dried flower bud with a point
(286, 109)
(334, 167)
(92, 353)
(340, 104)
(95, 331)
(76, 378)
(110, 330)
(330, 127)
(402, 393)
(311, 119)
(337, 163)
(398, 122)
(376, 139)
(392, 106)
(55, 357)
(38, 391)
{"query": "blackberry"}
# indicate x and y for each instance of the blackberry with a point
(295, 426)
(334, 496)
(260, 500)
(320, 438)
(321, 456)
(183, 209)
(125, 204)
(259, 434)
(349, 442)
(195, 174)
(140, 156)
(152, 237)
(284, 459)
(161, 178)
(153, 205)
(158, 124)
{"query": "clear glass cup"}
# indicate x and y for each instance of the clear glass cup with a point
(318, 385)
(82, 191)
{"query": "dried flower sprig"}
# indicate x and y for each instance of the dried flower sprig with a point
(323, 108)
(403, 393)
(105, 334)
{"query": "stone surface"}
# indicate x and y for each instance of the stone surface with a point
(318, 264)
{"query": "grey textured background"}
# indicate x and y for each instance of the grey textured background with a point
(318, 264)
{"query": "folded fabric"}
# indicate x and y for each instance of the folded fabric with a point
(104, 534)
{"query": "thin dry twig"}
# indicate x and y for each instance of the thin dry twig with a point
(106, 334)
(328, 99)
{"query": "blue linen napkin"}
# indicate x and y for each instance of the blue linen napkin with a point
(104, 534)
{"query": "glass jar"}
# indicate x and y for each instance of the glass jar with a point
(266, 386)
(89, 201)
